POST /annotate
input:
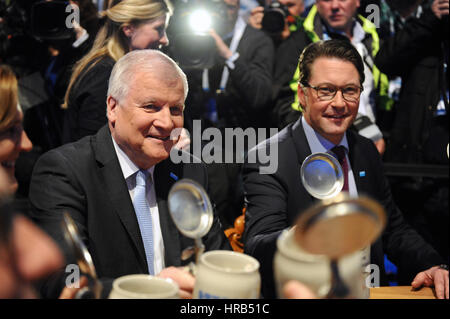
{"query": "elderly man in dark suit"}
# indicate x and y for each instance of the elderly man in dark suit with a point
(115, 184)
(329, 90)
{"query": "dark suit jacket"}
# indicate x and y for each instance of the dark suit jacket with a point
(86, 112)
(85, 179)
(276, 200)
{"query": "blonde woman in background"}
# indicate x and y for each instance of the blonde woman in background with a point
(130, 25)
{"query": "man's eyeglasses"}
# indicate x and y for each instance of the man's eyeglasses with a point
(327, 92)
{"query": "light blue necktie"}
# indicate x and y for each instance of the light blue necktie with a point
(144, 217)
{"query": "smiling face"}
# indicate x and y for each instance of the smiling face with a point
(142, 121)
(148, 35)
(13, 141)
(338, 14)
(330, 119)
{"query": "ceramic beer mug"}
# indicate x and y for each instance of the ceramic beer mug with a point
(327, 249)
(143, 286)
(227, 275)
(292, 262)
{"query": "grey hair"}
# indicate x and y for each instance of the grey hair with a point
(146, 60)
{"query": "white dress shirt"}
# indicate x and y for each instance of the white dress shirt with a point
(317, 144)
(129, 170)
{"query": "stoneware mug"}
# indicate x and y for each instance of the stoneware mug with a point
(227, 275)
(292, 262)
(141, 286)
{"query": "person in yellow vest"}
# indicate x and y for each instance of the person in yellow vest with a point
(334, 19)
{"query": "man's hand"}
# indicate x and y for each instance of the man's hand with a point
(181, 135)
(182, 277)
(70, 293)
(435, 276)
(381, 146)
(296, 290)
(256, 16)
(222, 48)
(440, 8)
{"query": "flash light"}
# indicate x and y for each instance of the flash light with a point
(200, 21)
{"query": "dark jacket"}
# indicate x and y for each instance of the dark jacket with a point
(417, 53)
(275, 201)
(86, 109)
(85, 179)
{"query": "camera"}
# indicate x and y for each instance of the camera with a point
(275, 15)
(192, 46)
(51, 20)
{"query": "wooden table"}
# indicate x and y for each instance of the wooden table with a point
(401, 292)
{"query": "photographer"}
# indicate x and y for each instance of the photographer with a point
(290, 9)
(233, 91)
(240, 80)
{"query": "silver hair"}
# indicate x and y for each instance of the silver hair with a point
(142, 60)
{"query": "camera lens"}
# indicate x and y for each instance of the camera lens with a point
(273, 21)
(274, 17)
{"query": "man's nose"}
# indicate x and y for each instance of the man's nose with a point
(338, 100)
(335, 4)
(164, 120)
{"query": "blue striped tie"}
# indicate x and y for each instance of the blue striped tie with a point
(144, 217)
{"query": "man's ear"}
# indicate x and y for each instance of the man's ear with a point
(111, 109)
(301, 96)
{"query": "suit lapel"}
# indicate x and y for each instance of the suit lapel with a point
(165, 176)
(303, 150)
(358, 164)
(115, 186)
(301, 142)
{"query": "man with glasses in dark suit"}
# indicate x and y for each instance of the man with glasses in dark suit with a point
(328, 90)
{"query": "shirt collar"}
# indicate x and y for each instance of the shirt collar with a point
(127, 166)
(317, 143)
(358, 32)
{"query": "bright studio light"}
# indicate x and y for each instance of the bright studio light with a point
(200, 21)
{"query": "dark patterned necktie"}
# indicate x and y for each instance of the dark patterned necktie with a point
(340, 153)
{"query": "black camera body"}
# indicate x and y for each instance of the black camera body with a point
(275, 15)
(50, 20)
